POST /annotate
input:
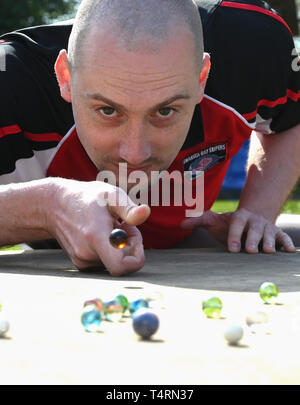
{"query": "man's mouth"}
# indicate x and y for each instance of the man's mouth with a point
(145, 169)
(123, 169)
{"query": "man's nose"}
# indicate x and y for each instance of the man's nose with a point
(135, 146)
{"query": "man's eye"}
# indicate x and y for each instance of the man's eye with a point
(166, 112)
(108, 111)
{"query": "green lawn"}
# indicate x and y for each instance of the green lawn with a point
(290, 207)
(16, 247)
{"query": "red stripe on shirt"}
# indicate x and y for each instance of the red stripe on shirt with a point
(255, 8)
(15, 129)
(293, 95)
(50, 137)
(271, 104)
(12, 129)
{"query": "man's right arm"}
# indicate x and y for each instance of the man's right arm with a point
(23, 211)
(80, 215)
(33, 119)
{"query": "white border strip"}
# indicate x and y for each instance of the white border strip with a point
(58, 146)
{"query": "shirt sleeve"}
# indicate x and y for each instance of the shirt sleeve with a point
(33, 116)
(255, 67)
(13, 144)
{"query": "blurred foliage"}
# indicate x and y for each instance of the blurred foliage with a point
(288, 11)
(25, 13)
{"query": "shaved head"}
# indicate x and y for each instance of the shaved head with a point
(138, 24)
(134, 72)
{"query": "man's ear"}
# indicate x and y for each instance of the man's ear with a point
(63, 75)
(204, 76)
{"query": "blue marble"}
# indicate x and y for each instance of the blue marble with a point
(145, 323)
(91, 318)
(137, 304)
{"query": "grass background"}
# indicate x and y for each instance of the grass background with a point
(220, 206)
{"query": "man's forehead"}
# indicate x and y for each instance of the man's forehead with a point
(104, 50)
(124, 85)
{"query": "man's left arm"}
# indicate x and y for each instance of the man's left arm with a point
(272, 171)
(265, 89)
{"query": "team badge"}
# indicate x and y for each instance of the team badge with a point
(203, 160)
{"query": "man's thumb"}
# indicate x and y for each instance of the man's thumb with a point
(137, 214)
(121, 206)
(191, 223)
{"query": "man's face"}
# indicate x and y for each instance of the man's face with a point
(135, 107)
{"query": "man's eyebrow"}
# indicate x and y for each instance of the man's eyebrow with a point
(172, 99)
(100, 97)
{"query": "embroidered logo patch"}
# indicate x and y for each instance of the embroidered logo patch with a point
(204, 160)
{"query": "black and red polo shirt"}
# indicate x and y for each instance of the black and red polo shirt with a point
(254, 84)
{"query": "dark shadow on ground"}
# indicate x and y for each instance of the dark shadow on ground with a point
(211, 269)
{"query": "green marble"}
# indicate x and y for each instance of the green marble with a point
(212, 307)
(268, 292)
(124, 302)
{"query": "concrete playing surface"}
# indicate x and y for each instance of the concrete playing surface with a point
(42, 294)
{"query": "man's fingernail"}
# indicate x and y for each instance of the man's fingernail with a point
(235, 247)
(269, 245)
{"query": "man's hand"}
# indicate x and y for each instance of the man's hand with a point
(234, 228)
(81, 216)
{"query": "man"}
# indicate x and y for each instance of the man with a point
(135, 75)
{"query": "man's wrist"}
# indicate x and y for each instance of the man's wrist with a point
(265, 212)
(53, 198)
